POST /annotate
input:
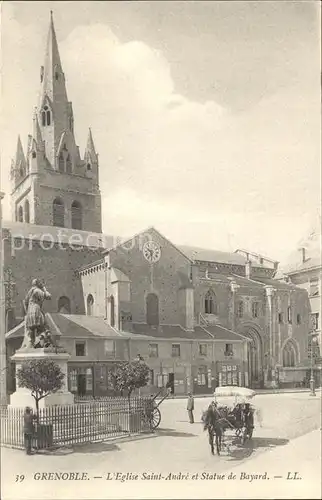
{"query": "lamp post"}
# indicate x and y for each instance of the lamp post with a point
(312, 380)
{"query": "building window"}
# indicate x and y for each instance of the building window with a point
(90, 304)
(151, 378)
(289, 315)
(202, 349)
(152, 309)
(314, 287)
(210, 303)
(61, 163)
(34, 154)
(112, 310)
(315, 321)
(229, 351)
(89, 166)
(153, 351)
(176, 350)
(27, 211)
(68, 164)
(20, 214)
(289, 355)
(255, 309)
(58, 213)
(64, 305)
(298, 319)
(76, 215)
(109, 347)
(280, 318)
(80, 348)
(240, 309)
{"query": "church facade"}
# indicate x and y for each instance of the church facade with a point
(199, 318)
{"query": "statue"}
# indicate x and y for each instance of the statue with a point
(35, 320)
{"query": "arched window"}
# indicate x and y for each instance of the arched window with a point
(61, 163)
(152, 309)
(45, 116)
(68, 164)
(76, 215)
(112, 310)
(58, 212)
(64, 305)
(210, 303)
(89, 166)
(90, 304)
(34, 154)
(289, 354)
(21, 171)
(20, 214)
(27, 211)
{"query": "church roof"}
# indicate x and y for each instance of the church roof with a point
(208, 255)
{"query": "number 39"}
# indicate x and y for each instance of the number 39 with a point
(19, 478)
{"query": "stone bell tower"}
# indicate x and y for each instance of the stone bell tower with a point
(52, 185)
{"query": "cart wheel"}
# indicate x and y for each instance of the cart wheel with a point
(155, 418)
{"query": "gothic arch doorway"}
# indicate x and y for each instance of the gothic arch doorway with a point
(254, 357)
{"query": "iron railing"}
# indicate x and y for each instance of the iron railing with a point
(76, 424)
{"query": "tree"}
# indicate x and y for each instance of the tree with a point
(42, 377)
(130, 375)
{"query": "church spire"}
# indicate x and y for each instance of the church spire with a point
(90, 152)
(19, 164)
(51, 74)
(36, 133)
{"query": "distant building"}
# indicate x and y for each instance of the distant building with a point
(305, 271)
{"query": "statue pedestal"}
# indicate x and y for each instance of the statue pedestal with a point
(22, 397)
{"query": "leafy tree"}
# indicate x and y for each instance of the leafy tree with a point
(131, 375)
(41, 377)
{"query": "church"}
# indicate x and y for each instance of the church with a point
(199, 318)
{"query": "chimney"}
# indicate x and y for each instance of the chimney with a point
(303, 252)
(248, 269)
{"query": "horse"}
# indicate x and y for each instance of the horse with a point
(213, 421)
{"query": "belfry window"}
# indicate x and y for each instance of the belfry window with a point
(68, 164)
(61, 163)
(45, 116)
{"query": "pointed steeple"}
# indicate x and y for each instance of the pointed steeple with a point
(19, 164)
(20, 159)
(90, 152)
(36, 132)
(51, 76)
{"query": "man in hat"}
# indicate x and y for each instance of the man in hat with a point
(190, 407)
(28, 428)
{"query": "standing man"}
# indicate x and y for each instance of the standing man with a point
(190, 407)
(28, 428)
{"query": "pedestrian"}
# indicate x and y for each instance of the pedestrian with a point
(190, 407)
(28, 428)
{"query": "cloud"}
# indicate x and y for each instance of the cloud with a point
(167, 160)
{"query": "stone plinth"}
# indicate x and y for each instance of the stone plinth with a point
(22, 397)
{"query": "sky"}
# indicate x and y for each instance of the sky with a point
(205, 115)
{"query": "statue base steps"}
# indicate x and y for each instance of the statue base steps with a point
(22, 397)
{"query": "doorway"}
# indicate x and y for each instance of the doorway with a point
(81, 384)
(171, 382)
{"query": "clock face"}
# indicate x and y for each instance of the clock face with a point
(151, 251)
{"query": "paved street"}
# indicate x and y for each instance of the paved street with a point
(181, 447)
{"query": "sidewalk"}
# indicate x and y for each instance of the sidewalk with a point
(257, 391)
(301, 455)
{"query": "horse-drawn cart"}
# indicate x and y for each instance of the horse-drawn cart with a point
(230, 418)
